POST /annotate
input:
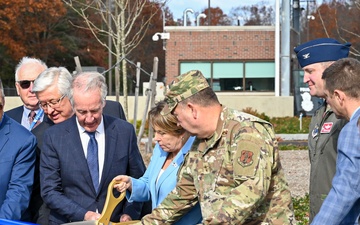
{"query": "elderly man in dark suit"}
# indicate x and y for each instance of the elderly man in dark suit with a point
(81, 155)
(17, 160)
(25, 73)
(53, 82)
(56, 81)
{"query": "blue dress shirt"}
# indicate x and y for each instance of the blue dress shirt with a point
(146, 187)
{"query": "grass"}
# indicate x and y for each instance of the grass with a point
(292, 147)
(284, 125)
(290, 125)
(301, 209)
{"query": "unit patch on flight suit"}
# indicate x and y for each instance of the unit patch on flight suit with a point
(326, 127)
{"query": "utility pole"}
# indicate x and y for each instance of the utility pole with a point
(110, 47)
(209, 16)
(296, 18)
(285, 48)
(308, 17)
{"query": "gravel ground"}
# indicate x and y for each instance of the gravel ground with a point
(297, 170)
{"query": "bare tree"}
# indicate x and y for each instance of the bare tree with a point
(116, 19)
(258, 14)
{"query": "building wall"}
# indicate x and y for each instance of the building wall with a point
(228, 43)
(217, 42)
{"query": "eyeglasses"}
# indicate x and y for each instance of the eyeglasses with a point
(52, 104)
(25, 84)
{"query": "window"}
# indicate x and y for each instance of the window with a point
(260, 76)
(229, 75)
(235, 76)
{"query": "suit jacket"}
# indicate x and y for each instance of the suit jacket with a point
(35, 213)
(16, 113)
(17, 161)
(66, 185)
(115, 109)
(147, 187)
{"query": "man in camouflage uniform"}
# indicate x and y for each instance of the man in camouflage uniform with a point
(233, 168)
(314, 57)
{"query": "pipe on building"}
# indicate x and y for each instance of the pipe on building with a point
(185, 15)
(201, 15)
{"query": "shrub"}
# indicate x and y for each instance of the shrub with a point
(290, 125)
(283, 125)
(254, 112)
(138, 124)
(301, 209)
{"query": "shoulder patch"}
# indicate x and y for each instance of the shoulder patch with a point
(246, 158)
(326, 127)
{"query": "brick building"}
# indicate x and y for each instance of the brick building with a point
(238, 62)
(233, 58)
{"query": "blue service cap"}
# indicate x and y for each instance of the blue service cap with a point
(321, 50)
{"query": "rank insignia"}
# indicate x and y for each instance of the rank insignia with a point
(246, 158)
(326, 127)
(315, 131)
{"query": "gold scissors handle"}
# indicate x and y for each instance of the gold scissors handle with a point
(110, 203)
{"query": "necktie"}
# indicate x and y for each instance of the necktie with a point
(32, 115)
(92, 159)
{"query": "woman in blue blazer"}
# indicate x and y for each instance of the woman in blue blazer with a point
(173, 142)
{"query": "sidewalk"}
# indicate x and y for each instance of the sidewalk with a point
(293, 137)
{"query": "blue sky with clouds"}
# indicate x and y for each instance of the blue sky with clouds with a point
(177, 7)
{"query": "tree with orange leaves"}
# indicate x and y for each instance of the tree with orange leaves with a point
(217, 17)
(27, 26)
(41, 29)
(339, 20)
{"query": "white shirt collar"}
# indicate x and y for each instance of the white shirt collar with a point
(100, 129)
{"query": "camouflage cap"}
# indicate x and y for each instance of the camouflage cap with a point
(183, 87)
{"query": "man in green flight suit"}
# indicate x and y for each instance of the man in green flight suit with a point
(233, 168)
(314, 57)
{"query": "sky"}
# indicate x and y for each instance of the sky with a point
(177, 7)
